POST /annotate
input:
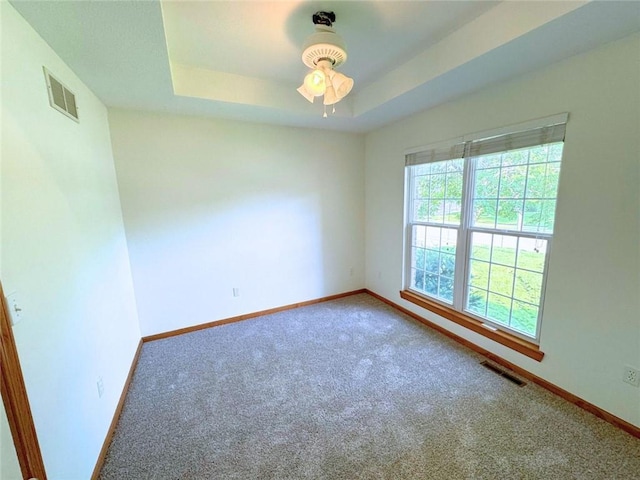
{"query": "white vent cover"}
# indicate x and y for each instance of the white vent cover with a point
(60, 97)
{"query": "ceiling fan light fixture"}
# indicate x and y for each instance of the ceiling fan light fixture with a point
(323, 51)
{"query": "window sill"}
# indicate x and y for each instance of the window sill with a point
(514, 342)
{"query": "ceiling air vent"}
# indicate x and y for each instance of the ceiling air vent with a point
(60, 97)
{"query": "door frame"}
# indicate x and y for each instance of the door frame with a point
(16, 402)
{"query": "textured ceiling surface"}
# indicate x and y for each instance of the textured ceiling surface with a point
(241, 59)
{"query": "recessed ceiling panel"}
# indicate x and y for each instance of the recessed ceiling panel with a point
(242, 59)
(264, 39)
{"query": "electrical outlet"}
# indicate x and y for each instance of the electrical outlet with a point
(100, 385)
(236, 292)
(631, 376)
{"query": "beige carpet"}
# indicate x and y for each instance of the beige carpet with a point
(348, 389)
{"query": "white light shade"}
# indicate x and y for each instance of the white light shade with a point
(342, 85)
(314, 83)
(303, 91)
(330, 96)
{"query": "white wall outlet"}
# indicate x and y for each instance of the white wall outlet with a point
(100, 385)
(631, 376)
(15, 310)
(351, 272)
(236, 292)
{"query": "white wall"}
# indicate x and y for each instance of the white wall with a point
(9, 466)
(64, 251)
(210, 205)
(591, 324)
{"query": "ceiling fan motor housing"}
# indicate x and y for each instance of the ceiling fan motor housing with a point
(325, 43)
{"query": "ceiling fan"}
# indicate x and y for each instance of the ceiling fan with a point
(323, 51)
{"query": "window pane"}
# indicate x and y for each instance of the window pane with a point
(504, 249)
(487, 183)
(437, 192)
(509, 212)
(538, 154)
(524, 317)
(445, 289)
(438, 263)
(536, 181)
(505, 279)
(525, 185)
(532, 216)
(437, 185)
(512, 182)
(418, 258)
(488, 161)
(531, 254)
(481, 246)
(515, 157)
(551, 185)
(450, 239)
(421, 187)
(433, 237)
(484, 213)
(455, 166)
(433, 261)
(499, 309)
(419, 236)
(417, 279)
(501, 280)
(479, 274)
(454, 185)
(438, 167)
(528, 286)
(436, 211)
(547, 216)
(420, 210)
(422, 169)
(477, 301)
(453, 208)
(447, 264)
(431, 285)
(555, 152)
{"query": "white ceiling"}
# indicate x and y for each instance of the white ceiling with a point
(241, 59)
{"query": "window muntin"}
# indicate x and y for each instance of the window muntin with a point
(503, 243)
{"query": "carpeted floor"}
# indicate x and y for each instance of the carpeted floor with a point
(348, 389)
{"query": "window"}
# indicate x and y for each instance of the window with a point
(480, 219)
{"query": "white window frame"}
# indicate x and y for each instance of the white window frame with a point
(465, 228)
